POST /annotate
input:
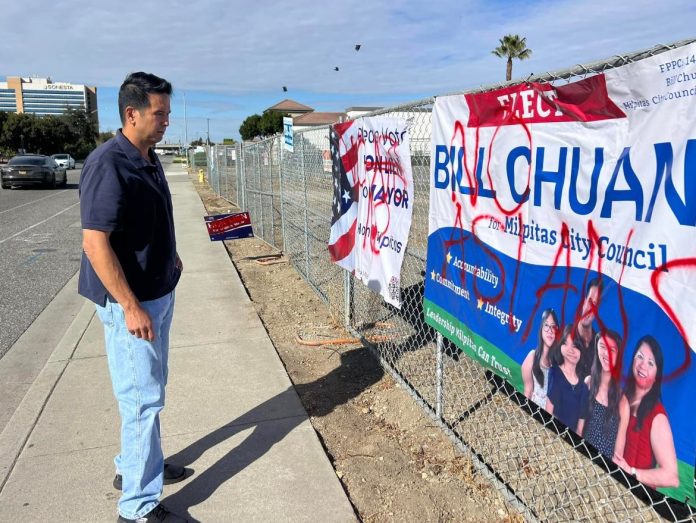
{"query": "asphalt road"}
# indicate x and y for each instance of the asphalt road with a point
(40, 246)
(40, 250)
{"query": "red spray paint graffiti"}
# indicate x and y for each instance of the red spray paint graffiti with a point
(508, 114)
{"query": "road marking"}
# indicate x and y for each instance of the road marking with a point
(39, 223)
(37, 237)
(34, 201)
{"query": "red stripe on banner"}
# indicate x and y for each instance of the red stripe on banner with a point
(344, 245)
(584, 101)
(350, 156)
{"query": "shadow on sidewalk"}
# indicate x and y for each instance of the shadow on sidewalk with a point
(357, 371)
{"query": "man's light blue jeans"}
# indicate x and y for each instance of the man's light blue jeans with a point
(138, 371)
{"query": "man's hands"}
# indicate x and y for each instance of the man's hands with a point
(105, 263)
(139, 323)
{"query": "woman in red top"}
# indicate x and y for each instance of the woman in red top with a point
(646, 450)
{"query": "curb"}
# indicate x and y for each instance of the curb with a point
(20, 426)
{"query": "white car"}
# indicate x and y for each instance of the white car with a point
(64, 160)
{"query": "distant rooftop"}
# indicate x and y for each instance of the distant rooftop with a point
(290, 106)
(317, 118)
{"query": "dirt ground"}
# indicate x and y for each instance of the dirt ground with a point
(394, 463)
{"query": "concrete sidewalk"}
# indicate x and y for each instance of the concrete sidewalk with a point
(232, 414)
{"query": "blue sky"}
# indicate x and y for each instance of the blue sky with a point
(232, 58)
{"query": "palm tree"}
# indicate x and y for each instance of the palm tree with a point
(512, 46)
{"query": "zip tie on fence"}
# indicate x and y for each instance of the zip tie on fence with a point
(340, 341)
(328, 341)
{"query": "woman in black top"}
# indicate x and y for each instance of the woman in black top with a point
(567, 393)
(600, 421)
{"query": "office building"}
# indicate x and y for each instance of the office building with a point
(42, 96)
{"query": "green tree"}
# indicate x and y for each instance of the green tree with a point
(21, 130)
(84, 133)
(73, 132)
(251, 127)
(5, 150)
(53, 134)
(511, 47)
(267, 124)
(3, 119)
(271, 123)
(103, 137)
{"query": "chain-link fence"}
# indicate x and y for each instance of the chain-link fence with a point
(544, 470)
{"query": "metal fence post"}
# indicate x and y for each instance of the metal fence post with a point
(282, 155)
(208, 165)
(259, 197)
(218, 170)
(227, 189)
(213, 166)
(348, 299)
(271, 158)
(306, 202)
(439, 376)
(243, 181)
(238, 175)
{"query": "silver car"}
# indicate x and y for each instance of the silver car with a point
(64, 160)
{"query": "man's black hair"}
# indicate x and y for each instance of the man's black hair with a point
(135, 89)
(595, 282)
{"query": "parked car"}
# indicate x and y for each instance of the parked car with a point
(32, 169)
(64, 160)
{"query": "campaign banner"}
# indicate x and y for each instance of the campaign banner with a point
(229, 226)
(372, 201)
(561, 253)
(288, 137)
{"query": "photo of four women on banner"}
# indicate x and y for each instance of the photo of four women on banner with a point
(575, 374)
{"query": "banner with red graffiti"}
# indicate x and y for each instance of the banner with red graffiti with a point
(561, 253)
(372, 201)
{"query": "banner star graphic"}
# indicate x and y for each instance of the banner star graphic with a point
(432, 275)
(479, 303)
(449, 258)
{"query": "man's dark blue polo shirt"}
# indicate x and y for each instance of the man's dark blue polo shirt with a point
(122, 193)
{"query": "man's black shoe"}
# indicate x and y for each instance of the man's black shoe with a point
(157, 515)
(172, 474)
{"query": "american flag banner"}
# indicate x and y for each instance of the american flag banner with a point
(343, 146)
(372, 201)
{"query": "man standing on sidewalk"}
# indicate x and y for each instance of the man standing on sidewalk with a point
(129, 270)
